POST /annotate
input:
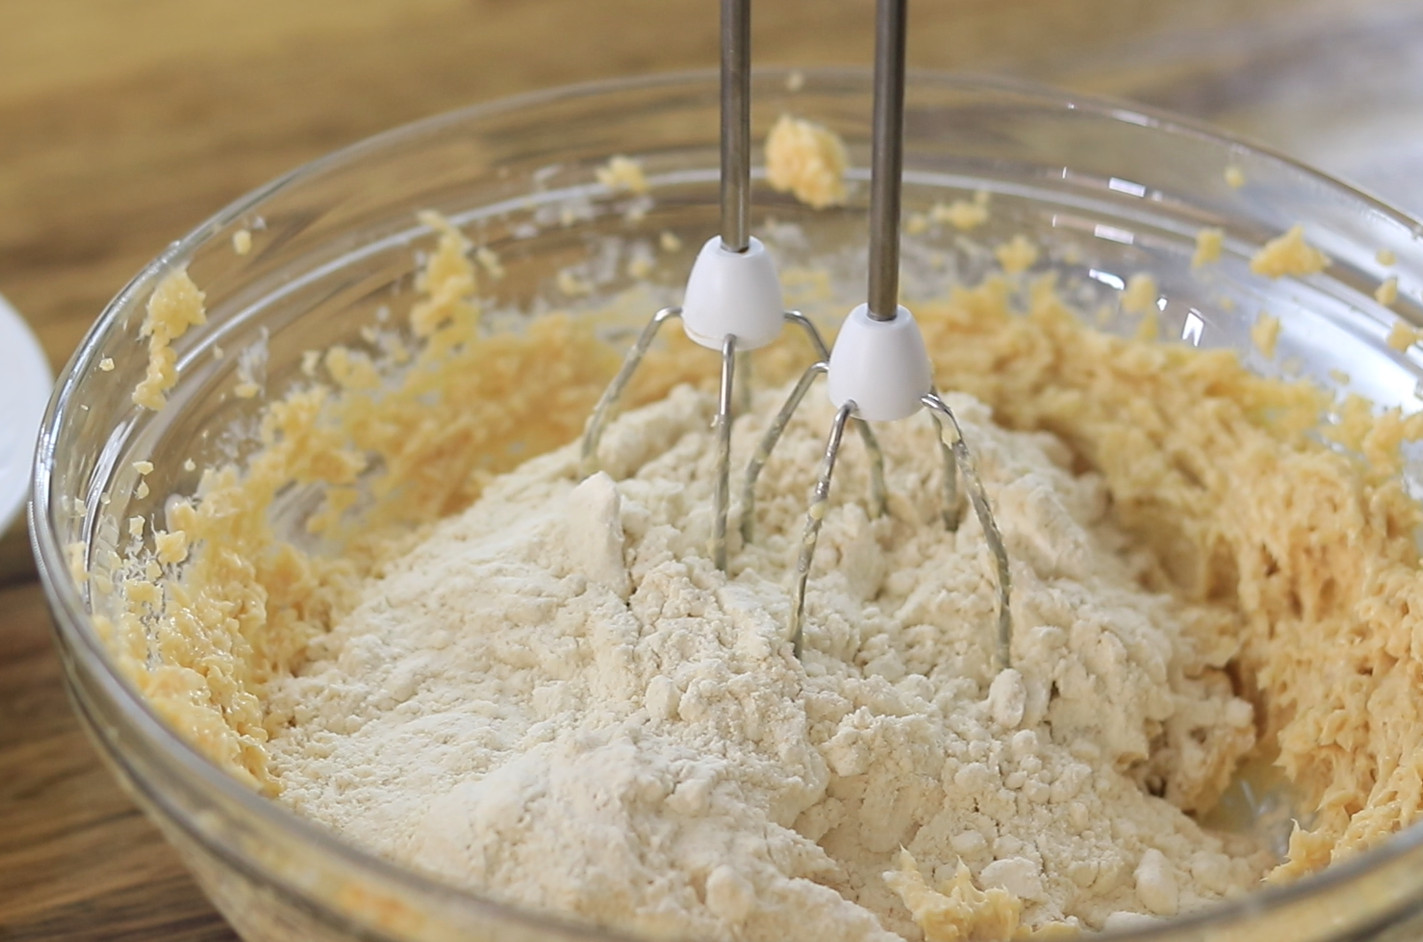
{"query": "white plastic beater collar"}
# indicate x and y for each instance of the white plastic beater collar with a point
(881, 366)
(735, 294)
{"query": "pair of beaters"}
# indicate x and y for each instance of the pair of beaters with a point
(879, 368)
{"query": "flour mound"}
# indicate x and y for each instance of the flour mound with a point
(558, 701)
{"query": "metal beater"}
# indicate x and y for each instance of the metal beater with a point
(733, 300)
(879, 369)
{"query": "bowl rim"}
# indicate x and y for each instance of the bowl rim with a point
(76, 636)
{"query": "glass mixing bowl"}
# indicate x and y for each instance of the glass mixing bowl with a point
(1107, 189)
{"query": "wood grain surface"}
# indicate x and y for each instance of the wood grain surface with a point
(122, 125)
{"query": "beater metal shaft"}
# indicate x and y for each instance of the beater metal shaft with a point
(887, 159)
(735, 124)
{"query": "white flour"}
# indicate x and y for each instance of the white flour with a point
(556, 699)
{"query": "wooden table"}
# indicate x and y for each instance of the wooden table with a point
(123, 125)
